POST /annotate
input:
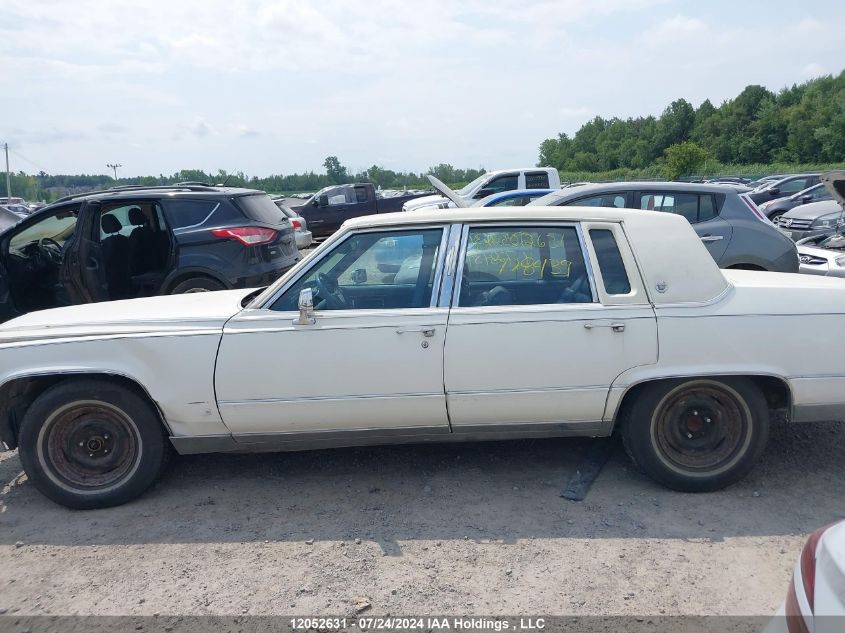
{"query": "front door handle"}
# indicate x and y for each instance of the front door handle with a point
(616, 327)
(712, 238)
(428, 332)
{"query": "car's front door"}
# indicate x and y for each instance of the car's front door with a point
(369, 363)
(536, 335)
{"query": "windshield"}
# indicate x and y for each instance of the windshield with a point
(465, 191)
(834, 242)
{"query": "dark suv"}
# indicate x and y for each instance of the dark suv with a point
(140, 241)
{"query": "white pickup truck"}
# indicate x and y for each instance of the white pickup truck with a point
(490, 183)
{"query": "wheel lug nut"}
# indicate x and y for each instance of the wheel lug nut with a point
(82, 443)
(105, 437)
(689, 436)
(695, 412)
(90, 454)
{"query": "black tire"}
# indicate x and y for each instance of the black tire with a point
(697, 435)
(197, 284)
(89, 443)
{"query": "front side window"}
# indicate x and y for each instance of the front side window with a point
(616, 200)
(383, 269)
(793, 186)
(513, 201)
(524, 266)
(508, 182)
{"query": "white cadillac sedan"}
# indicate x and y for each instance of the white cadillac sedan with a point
(480, 324)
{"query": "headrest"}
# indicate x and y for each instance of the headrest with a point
(137, 217)
(110, 224)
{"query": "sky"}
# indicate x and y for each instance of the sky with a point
(275, 86)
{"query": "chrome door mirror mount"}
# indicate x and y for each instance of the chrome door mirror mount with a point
(306, 308)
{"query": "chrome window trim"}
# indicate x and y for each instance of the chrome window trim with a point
(456, 290)
(336, 244)
(193, 226)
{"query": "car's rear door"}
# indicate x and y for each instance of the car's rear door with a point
(370, 362)
(700, 209)
(545, 316)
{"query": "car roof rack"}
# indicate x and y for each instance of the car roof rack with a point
(121, 189)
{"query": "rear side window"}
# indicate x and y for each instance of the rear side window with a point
(260, 208)
(612, 267)
(694, 207)
(185, 213)
(537, 180)
(524, 266)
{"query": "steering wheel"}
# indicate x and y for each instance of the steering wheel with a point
(51, 248)
(331, 293)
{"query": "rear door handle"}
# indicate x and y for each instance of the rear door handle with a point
(428, 332)
(616, 327)
(712, 238)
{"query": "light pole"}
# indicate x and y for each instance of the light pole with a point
(114, 166)
(8, 175)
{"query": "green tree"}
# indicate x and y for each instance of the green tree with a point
(682, 159)
(336, 172)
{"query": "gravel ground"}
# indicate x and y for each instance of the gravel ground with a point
(463, 528)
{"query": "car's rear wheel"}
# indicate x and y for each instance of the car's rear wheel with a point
(91, 443)
(697, 435)
(197, 284)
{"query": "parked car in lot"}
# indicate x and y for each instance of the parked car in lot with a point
(330, 207)
(515, 198)
(776, 208)
(300, 226)
(494, 182)
(8, 218)
(812, 220)
(824, 253)
(142, 241)
(398, 327)
(786, 186)
(734, 231)
(815, 600)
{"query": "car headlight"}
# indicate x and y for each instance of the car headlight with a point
(830, 221)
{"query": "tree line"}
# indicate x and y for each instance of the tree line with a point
(43, 186)
(800, 124)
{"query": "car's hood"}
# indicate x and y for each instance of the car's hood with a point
(423, 201)
(198, 311)
(813, 210)
(440, 186)
(834, 182)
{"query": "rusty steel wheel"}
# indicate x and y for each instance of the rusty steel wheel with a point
(92, 443)
(89, 445)
(701, 426)
(697, 434)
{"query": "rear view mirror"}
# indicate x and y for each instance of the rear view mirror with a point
(306, 307)
(359, 276)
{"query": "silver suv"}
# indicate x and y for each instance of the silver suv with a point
(728, 222)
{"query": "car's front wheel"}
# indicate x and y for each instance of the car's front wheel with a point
(89, 443)
(197, 284)
(697, 435)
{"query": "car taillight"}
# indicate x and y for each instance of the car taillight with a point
(796, 621)
(247, 235)
(296, 224)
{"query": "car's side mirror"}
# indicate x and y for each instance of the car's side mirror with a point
(483, 193)
(774, 191)
(306, 307)
(807, 197)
